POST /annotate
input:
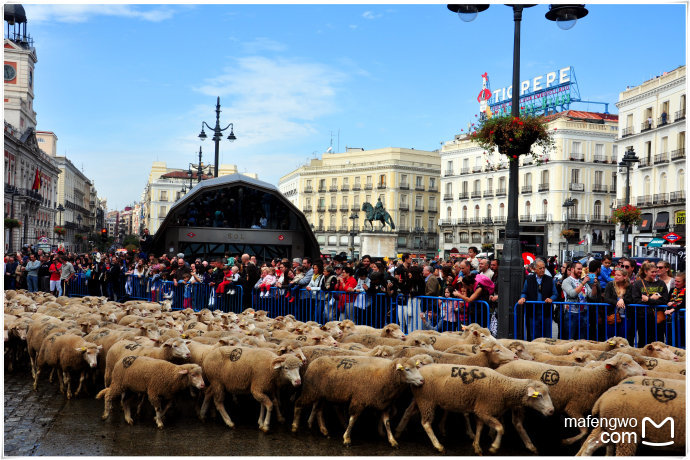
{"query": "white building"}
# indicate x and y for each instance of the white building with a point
(582, 168)
(652, 123)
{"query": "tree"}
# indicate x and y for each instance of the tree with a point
(131, 240)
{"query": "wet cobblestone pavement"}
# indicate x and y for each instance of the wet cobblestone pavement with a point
(45, 423)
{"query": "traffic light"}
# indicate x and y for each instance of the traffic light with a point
(104, 234)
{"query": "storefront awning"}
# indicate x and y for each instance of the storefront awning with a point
(661, 221)
(646, 225)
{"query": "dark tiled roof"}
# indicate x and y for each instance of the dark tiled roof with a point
(584, 116)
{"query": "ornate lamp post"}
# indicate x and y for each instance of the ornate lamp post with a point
(567, 204)
(353, 217)
(511, 270)
(627, 162)
(217, 134)
(79, 218)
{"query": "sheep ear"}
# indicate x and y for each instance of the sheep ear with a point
(324, 328)
(187, 342)
(485, 350)
(168, 343)
(610, 366)
(80, 349)
(99, 347)
(650, 347)
(400, 367)
(183, 371)
(278, 362)
(475, 332)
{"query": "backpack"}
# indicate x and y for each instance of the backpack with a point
(484, 282)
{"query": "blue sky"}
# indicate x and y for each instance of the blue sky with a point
(125, 85)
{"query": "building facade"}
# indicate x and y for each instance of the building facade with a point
(581, 168)
(31, 176)
(167, 185)
(331, 190)
(653, 125)
(74, 195)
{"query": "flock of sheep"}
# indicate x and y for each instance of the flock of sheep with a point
(144, 351)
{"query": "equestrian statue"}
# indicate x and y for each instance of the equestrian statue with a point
(377, 213)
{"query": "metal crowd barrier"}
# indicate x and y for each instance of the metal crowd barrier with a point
(198, 296)
(597, 321)
(77, 286)
(439, 313)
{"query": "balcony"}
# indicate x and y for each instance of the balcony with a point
(319, 228)
(526, 218)
(502, 166)
(540, 218)
(643, 200)
(356, 188)
(476, 194)
(307, 209)
(448, 172)
(600, 188)
(646, 126)
(419, 187)
(661, 121)
(432, 210)
(487, 221)
(381, 186)
(677, 197)
(601, 158)
(488, 193)
(645, 162)
(464, 239)
(597, 219)
(661, 158)
(526, 189)
(543, 187)
(418, 230)
(475, 220)
(321, 208)
(404, 207)
(500, 220)
(463, 221)
(465, 171)
(476, 169)
(355, 207)
(445, 222)
(308, 190)
(501, 192)
(333, 188)
(576, 187)
(345, 188)
(627, 132)
(578, 217)
(678, 154)
(322, 188)
(577, 156)
(419, 207)
(680, 115)
(527, 161)
(405, 186)
(344, 208)
(368, 186)
(332, 208)
(432, 188)
(660, 198)
(331, 228)
(612, 189)
(463, 196)
(447, 197)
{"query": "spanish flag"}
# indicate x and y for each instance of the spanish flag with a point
(37, 181)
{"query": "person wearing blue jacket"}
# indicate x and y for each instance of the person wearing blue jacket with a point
(538, 287)
(606, 272)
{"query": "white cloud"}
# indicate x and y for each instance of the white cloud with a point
(83, 13)
(278, 99)
(371, 15)
(263, 44)
(353, 26)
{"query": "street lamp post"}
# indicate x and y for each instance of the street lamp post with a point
(353, 217)
(60, 209)
(627, 162)
(217, 134)
(14, 193)
(79, 218)
(567, 204)
(511, 269)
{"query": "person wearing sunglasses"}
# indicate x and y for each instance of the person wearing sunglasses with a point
(664, 274)
(630, 266)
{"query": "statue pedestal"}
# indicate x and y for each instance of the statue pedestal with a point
(378, 244)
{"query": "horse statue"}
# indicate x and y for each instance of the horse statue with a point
(377, 213)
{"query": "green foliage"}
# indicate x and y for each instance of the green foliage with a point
(12, 223)
(514, 136)
(131, 240)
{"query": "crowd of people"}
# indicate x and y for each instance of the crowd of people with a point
(437, 294)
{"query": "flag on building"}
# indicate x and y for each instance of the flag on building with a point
(37, 181)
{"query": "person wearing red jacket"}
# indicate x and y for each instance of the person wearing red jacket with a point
(346, 284)
(55, 270)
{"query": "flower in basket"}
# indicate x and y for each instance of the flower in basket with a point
(567, 233)
(12, 223)
(627, 215)
(515, 136)
(59, 230)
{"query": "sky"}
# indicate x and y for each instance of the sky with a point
(123, 85)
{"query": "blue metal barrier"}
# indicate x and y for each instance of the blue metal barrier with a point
(77, 286)
(439, 313)
(597, 321)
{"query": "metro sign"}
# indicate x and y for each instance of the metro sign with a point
(191, 234)
(671, 237)
(281, 237)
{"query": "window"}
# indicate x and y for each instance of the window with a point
(488, 211)
(614, 176)
(501, 183)
(346, 181)
(528, 179)
(418, 201)
(489, 184)
(403, 199)
(164, 195)
(367, 198)
(382, 180)
(501, 210)
(464, 212)
(432, 202)
(599, 149)
(345, 200)
(681, 180)
(464, 187)
(334, 182)
(368, 180)
(664, 144)
(356, 203)
(662, 183)
(432, 182)
(465, 163)
(332, 220)
(575, 176)
(321, 222)
(597, 209)
(357, 181)
(528, 207)
(449, 167)
(162, 211)
(431, 223)
(576, 147)
(545, 177)
(476, 212)
(598, 177)
(449, 212)
(308, 183)
(307, 202)
(615, 153)
(417, 221)
(449, 188)
(420, 180)
(322, 202)
(403, 179)
(647, 185)
(477, 186)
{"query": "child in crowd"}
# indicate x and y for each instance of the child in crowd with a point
(293, 286)
(154, 284)
(234, 279)
(187, 282)
(268, 280)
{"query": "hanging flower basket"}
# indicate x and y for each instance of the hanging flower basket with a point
(12, 223)
(486, 247)
(79, 236)
(567, 233)
(59, 230)
(514, 136)
(629, 215)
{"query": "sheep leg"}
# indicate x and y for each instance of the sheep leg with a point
(51, 376)
(204, 406)
(354, 413)
(156, 403)
(312, 415)
(81, 382)
(296, 416)
(496, 425)
(127, 409)
(583, 430)
(387, 424)
(266, 403)
(442, 423)
(167, 406)
(61, 382)
(32, 360)
(38, 372)
(218, 398)
(409, 412)
(68, 380)
(262, 414)
(477, 435)
(592, 444)
(276, 405)
(322, 422)
(518, 417)
(468, 425)
(142, 398)
(427, 417)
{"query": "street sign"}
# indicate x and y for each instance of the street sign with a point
(528, 257)
(656, 243)
(671, 237)
(680, 218)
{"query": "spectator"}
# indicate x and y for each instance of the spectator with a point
(619, 296)
(55, 270)
(605, 276)
(66, 273)
(596, 313)
(32, 268)
(431, 285)
(484, 268)
(472, 258)
(145, 243)
(10, 269)
(664, 270)
(538, 287)
(575, 289)
(44, 274)
(346, 285)
(647, 290)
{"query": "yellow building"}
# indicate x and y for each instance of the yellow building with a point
(331, 190)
